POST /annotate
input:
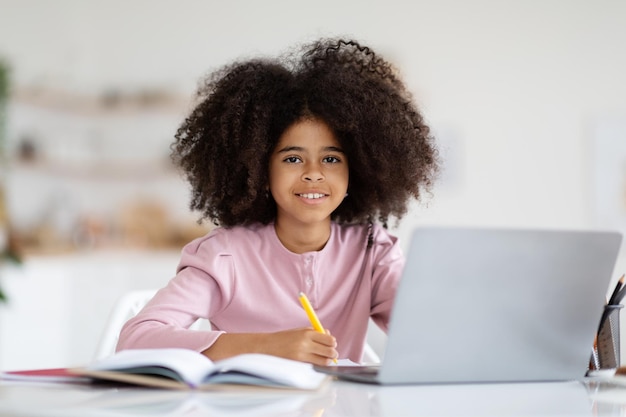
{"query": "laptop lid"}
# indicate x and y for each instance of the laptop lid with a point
(480, 305)
(495, 305)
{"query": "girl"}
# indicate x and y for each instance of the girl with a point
(301, 162)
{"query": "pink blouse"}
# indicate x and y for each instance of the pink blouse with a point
(242, 279)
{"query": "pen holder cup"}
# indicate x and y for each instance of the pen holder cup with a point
(606, 350)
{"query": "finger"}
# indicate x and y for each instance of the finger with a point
(324, 359)
(324, 339)
(324, 350)
(319, 360)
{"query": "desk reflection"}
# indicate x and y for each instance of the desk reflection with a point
(237, 402)
(338, 399)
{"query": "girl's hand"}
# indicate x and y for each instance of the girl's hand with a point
(305, 345)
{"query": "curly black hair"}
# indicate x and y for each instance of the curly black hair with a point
(223, 147)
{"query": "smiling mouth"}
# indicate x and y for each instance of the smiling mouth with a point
(312, 196)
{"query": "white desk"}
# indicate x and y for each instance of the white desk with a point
(336, 399)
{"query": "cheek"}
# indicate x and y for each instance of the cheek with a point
(342, 177)
(278, 181)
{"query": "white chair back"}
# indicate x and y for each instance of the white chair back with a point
(132, 302)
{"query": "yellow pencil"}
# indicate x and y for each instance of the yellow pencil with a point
(308, 308)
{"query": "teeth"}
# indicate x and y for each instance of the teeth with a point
(312, 195)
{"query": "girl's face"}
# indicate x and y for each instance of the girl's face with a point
(308, 174)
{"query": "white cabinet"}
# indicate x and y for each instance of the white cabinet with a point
(58, 305)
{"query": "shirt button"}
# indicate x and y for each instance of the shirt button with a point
(309, 282)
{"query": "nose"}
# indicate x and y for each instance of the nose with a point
(312, 173)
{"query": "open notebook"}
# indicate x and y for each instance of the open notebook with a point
(495, 305)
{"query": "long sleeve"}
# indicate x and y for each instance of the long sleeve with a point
(243, 280)
(193, 293)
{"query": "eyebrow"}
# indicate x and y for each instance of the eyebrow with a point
(301, 149)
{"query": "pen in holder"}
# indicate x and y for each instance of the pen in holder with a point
(606, 349)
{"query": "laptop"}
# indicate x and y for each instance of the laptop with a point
(494, 305)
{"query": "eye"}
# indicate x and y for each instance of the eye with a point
(292, 160)
(331, 160)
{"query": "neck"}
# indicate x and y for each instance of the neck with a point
(303, 238)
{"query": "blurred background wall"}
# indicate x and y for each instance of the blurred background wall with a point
(526, 100)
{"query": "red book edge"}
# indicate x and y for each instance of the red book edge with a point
(47, 375)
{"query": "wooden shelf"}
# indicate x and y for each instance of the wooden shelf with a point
(98, 171)
(112, 103)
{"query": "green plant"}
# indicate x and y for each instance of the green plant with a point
(10, 253)
(8, 248)
(4, 96)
